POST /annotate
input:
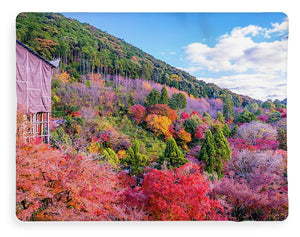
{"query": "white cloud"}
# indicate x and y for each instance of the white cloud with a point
(251, 29)
(280, 29)
(265, 57)
(262, 62)
(261, 86)
(238, 52)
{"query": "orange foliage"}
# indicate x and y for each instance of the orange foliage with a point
(159, 125)
(220, 101)
(230, 121)
(121, 154)
(94, 147)
(133, 58)
(96, 79)
(164, 110)
(64, 77)
(46, 43)
(185, 138)
(147, 86)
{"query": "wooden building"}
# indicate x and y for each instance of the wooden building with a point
(33, 75)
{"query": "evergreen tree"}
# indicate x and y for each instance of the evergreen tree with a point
(152, 98)
(228, 107)
(277, 104)
(111, 156)
(233, 131)
(177, 101)
(165, 79)
(214, 150)
(245, 117)
(164, 98)
(267, 104)
(220, 117)
(207, 116)
(208, 152)
(192, 123)
(134, 160)
(223, 152)
(130, 100)
(226, 130)
(172, 157)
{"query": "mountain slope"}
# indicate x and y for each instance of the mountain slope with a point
(85, 49)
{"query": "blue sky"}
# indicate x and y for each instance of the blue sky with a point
(244, 52)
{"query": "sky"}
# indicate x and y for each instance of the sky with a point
(244, 52)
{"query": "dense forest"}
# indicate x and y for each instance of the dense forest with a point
(84, 49)
(133, 138)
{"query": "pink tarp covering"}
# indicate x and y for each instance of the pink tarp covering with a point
(33, 82)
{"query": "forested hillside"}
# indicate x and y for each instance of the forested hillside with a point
(126, 146)
(84, 49)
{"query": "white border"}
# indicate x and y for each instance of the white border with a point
(10, 226)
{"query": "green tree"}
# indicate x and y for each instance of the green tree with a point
(164, 98)
(172, 156)
(111, 157)
(192, 123)
(258, 112)
(227, 108)
(252, 107)
(267, 104)
(277, 104)
(220, 117)
(223, 152)
(134, 160)
(177, 101)
(274, 117)
(208, 152)
(245, 117)
(234, 130)
(130, 100)
(214, 150)
(226, 130)
(152, 98)
(165, 79)
(206, 115)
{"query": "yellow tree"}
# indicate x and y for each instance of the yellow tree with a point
(159, 125)
(184, 138)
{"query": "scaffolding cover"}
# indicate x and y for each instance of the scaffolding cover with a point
(33, 81)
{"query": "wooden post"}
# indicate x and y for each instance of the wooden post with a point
(48, 128)
(42, 125)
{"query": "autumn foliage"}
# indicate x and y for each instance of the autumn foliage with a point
(111, 158)
(184, 138)
(159, 125)
(56, 186)
(132, 138)
(137, 113)
(179, 195)
(163, 110)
